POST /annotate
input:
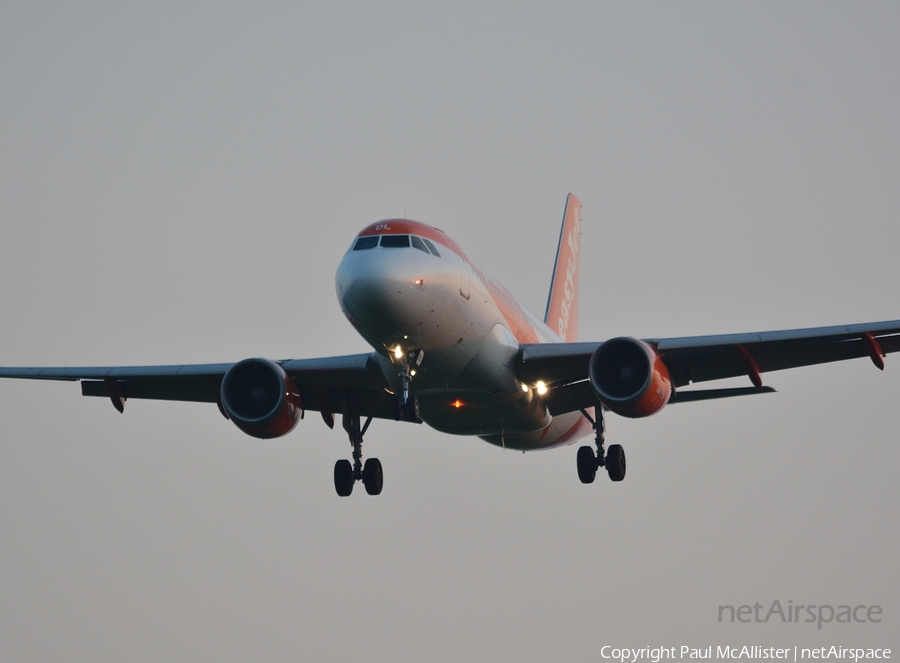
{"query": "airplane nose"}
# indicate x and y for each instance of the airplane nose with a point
(371, 296)
(375, 292)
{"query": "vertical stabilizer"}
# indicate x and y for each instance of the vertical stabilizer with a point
(562, 305)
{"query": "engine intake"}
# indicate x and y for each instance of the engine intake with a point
(629, 377)
(256, 394)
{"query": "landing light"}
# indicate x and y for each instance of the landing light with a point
(524, 387)
(457, 403)
(398, 352)
(541, 387)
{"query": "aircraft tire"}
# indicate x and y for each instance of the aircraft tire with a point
(615, 462)
(587, 464)
(373, 477)
(343, 477)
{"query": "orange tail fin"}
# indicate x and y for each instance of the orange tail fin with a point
(562, 305)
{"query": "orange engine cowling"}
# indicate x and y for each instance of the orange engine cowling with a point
(629, 378)
(259, 398)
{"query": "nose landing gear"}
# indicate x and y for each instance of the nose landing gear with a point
(588, 462)
(406, 407)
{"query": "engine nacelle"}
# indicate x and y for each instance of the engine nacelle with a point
(630, 378)
(257, 395)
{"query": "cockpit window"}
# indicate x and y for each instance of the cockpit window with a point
(431, 247)
(364, 243)
(395, 241)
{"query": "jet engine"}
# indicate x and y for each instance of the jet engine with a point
(260, 398)
(629, 378)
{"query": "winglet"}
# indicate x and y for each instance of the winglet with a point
(562, 304)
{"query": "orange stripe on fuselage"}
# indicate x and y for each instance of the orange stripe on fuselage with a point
(512, 311)
(580, 429)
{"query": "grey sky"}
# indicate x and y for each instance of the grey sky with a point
(177, 184)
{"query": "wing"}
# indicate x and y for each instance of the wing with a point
(322, 383)
(693, 359)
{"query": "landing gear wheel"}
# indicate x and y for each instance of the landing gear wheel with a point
(587, 465)
(615, 462)
(343, 477)
(372, 476)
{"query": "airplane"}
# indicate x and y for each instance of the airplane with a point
(455, 350)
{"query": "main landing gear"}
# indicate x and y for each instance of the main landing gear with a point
(588, 462)
(345, 474)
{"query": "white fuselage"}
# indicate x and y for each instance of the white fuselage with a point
(467, 327)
